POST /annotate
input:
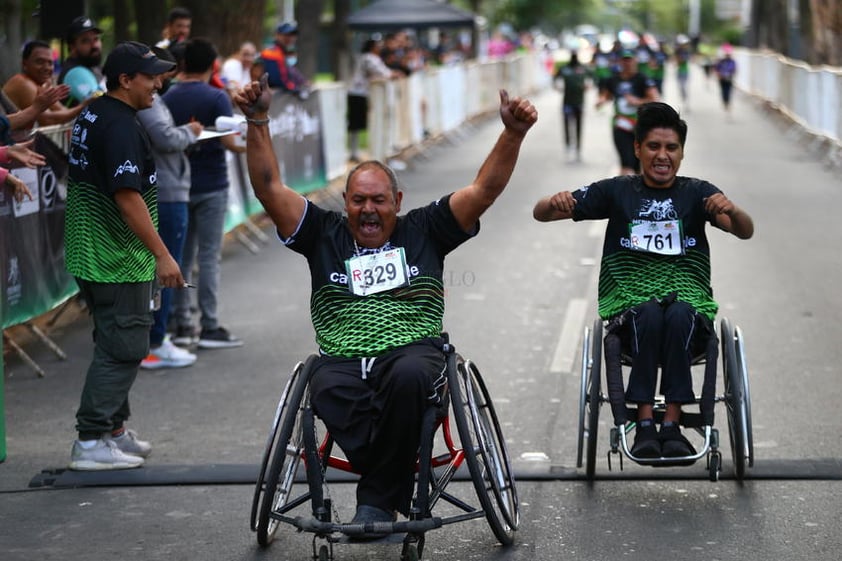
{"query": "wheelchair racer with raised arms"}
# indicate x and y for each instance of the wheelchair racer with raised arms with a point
(377, 300)
(654, 280)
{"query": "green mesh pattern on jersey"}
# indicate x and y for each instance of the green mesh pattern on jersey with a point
(628, 278)
(354, 327)
(99, 246)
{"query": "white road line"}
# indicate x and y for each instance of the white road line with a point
(567, 350)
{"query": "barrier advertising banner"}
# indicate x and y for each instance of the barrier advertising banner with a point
(33, 279)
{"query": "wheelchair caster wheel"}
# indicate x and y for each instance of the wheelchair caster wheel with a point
(715, 466)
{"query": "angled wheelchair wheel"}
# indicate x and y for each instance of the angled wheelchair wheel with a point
(594, 400)
(734, 399)
(278, 482)
(583, 397)
(485, 448)
(271, 444)
(742, 367)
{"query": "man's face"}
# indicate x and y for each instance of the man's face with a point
(247, 55)
(660, 156)
(628, 65)
(286, 40)
(87, 47)
(141, 89)
(372, 207)
(179, 30)
(39, 66)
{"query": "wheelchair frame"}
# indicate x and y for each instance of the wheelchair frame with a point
(292, 443)
(736, 397)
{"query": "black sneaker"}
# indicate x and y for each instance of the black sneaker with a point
(371, 517)
(646, 443)
(218, 338)
(674, 444)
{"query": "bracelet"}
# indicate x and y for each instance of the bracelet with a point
(258, 121)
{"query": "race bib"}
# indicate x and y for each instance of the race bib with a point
(662, 237)
(377, 272)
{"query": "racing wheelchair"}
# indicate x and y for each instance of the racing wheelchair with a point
(736, 397)
(292, 486)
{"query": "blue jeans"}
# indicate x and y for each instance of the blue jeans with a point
(172, 227)
(205, 229)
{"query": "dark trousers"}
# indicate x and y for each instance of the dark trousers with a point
(122, 318)
(373, 408)
(658, 334)
(572, 115)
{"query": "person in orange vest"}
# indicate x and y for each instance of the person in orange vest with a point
(279, 60)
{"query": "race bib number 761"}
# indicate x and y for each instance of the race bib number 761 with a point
(663, 237)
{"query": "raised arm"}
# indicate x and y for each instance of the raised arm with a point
(468, 204)
(283, 205)
(729, 216)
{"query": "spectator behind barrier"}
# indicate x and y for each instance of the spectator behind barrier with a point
(279, 62)
(36, 75)
(85, 44)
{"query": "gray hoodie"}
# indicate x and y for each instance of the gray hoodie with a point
(168, 145)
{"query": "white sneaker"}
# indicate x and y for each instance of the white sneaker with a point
(129, 443)
(105, 455)
(167, 356)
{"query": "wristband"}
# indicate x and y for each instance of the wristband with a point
(258, 121)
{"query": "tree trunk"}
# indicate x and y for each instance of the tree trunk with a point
(227, 24)
(341, 59)
(122, 19)
(151, 17)
(10, 47)
(308, 15)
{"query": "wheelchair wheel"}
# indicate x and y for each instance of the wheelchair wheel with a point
(594, 401)
(583, 397)
(742, 367)
(485, 449)
(271, 443)
(734, 399)
(286, 457)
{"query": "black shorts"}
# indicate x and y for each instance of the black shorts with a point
(357, 113)
(624, 141)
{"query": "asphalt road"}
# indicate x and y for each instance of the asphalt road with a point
(519, 296)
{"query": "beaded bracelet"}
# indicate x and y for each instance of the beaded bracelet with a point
(258, 121)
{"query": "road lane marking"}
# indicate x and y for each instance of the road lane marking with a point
(568, 342)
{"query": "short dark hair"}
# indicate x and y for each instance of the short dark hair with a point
(368, 164)
(179, 13)
(199, 55)
(31, 46)
(659, 115)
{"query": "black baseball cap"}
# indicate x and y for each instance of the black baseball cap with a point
(130, 57)
(287, 28)
(81, 25)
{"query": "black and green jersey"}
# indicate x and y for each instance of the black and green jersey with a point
(633, 272)
(109, 150)
(353, 326)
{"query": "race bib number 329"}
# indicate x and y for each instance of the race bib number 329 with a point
(378, 272)
(663, 237)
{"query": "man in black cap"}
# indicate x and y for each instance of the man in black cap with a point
(279, 60)
(113, 249)
(85, 45)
